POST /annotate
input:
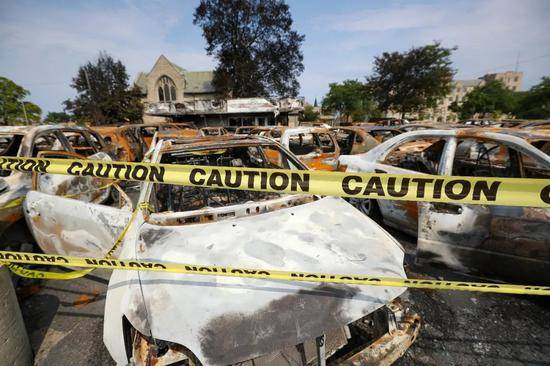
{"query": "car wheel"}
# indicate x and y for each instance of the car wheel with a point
(367, 206)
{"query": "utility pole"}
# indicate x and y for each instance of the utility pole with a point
(25, 113)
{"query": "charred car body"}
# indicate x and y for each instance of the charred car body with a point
(163, 318)
(61, 141)
(353, 140)
(499, 241)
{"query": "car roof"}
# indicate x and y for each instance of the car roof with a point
(23, 130)
(214, 142)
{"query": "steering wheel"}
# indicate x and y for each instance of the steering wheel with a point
(480, 157)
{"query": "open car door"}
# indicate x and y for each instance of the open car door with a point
(66, 214)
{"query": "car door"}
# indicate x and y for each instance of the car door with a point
(84, 188)
(498, 241)
(416, 155)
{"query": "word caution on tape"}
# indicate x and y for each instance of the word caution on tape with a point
(266, 274)
(472, 190)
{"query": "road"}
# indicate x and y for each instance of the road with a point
(65, 320)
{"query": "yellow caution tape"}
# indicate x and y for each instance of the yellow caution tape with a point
(470, 190)
(194, 269)
(16, 202)
(33, 273)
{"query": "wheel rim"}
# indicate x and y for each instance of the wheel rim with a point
(363, 205)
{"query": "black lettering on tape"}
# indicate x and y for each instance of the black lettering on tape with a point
(42, 166)
(251, 175)
(156, 174)
(465, 187)
(88, 170)
(236, 181)
(490, 192)
(105, 172)
(421, 186)
(545, 194)
(374, 185)
(139, 172)
(214, 178)
(299, 180)
(404, 189)
(346, 184)
(72, 168)
(193, 176)
(278, 186)
(263, 180)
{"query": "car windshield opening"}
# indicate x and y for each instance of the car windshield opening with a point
(177, 198)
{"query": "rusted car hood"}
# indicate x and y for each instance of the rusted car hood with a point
(225, 320)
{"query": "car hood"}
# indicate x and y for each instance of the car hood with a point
(223, 320)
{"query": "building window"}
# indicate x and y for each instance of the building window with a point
(166, 89)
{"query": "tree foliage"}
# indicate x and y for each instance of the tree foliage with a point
(309, 114)
(535, 103)
(350, 100)
(104, 95)
(491, 98)
(412, 81)
(13, 106)
(58, 117)
(257, 51)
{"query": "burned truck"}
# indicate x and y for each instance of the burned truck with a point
(168, 318)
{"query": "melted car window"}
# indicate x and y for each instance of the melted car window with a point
(420, 155)
(9, 146)
(484, 158)
(533, 168)
(80, 143)
(345, 140)
(325, 142)
(307, 143)
(187, 198)
(47, 142)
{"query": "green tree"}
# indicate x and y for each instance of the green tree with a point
(350, 100)
(57, 117)
(412, 81)
(309, 115)
(104, 95)
(14, 110)
(535, 103)
(257, 51)
(491, 98)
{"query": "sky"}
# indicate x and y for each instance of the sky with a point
(42, 43)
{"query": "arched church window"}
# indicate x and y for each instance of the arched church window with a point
(167, 89)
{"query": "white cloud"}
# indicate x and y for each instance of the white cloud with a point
(383, 19)
(45, 53)
(489, 35)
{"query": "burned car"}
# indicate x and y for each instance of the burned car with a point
(496, 241)
(154, 318)
(214, 131)
(353, 140)
(60, 141)
(314, 146)
(126, 139)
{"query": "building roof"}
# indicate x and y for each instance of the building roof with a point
(195, 81)
(471, 82)
(199, 81)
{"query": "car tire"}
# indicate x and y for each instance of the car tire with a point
(367, 206)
